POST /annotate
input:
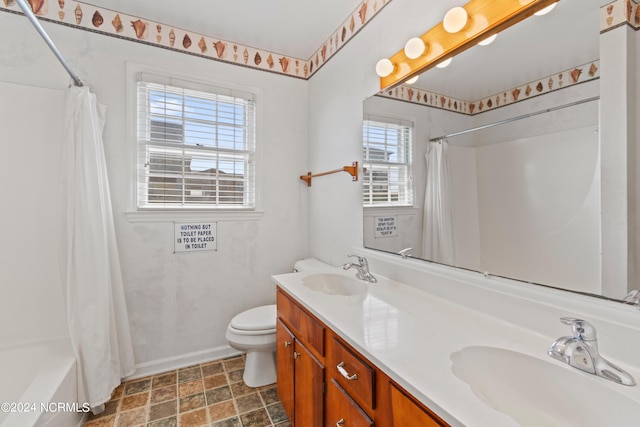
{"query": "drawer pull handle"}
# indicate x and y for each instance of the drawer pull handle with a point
(287, 344)
(296, 355)
(344, 372)
(340, 423)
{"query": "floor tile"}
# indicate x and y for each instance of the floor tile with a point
(276, 413)
(222, 411)
(167, 422)
(215, 381)
(212, 394)
(196, 418)
(189, 403)
(231, 422)
(134, 401)
(135, 417)
(163, 410)
(165, 380)
(101, 422)
(137, 387)
(191, 387)
(218, 395)
(159, 395)
(189, 374)
(212, 369)
(249, 402)
(259, 418)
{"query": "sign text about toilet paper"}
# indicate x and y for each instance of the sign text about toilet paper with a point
(195, 236)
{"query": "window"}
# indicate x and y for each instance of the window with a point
(196, 148)
(387, 164)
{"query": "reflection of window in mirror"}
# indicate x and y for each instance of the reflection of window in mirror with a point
(387, 176)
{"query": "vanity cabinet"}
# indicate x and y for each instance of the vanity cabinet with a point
(351, 391)
(300, 369)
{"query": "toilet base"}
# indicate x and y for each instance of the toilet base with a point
(260, 368)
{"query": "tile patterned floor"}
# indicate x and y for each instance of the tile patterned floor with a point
(211, 394)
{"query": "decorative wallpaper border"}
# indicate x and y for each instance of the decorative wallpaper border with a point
(619, 12)
(345, 32)
(138, 29)
(564, 79)
(612, 15)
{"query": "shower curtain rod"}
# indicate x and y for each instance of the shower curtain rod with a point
(29, 13)
(513, 119)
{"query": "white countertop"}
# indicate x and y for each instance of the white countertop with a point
(410, 335)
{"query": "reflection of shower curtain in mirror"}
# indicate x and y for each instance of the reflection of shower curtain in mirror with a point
(437, 227)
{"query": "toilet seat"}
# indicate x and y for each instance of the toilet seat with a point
(256, 321)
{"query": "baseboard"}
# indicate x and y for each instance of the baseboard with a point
(171, 363)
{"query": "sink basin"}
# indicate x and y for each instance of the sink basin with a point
(334, 284)
(536, 392)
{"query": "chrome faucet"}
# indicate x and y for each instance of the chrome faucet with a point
(581, 352)
(362, 267)
(405, 252)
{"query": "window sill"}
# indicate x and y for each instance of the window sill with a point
(381, 210)
(186, 216)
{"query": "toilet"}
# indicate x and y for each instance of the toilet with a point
(254, 332)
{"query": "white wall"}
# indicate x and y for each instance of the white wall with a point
(32, 306)
(179, 304)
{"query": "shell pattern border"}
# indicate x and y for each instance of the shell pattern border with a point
(616, 14)
(87, 17)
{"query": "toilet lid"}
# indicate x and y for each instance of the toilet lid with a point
(256, 319)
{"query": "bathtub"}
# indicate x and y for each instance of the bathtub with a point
(38, 386)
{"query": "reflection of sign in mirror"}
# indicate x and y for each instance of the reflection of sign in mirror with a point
(190, 237)
(386, 226)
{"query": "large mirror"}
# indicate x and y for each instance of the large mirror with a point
(504, 147)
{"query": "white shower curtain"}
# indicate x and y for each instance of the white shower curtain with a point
(96, 308)
(437, 224)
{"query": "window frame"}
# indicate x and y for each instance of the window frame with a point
(407, 184)
(133, 213)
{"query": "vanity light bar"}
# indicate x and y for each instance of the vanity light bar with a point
(485, 18)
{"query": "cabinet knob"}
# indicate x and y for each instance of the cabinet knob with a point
(296, 355)
(287, 344)
(340, 423)
(345, 374)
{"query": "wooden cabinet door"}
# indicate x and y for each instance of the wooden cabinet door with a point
(309, 385)
(406, 412)
(285, 368)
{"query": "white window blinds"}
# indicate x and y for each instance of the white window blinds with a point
(196, 149)
(387, 164)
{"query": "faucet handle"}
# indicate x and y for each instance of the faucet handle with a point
(581, 328)
(362, 260)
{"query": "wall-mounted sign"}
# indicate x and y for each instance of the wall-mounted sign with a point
(386, 226)
(195, 236)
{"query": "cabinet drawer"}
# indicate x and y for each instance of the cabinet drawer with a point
(307, 329)
(353, 374)
(342, 410)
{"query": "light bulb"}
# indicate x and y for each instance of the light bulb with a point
(445, 63)
(384, 67)
(545, 10)
(414, 48)
(488, 40)
(455, 19)
(412, 80)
